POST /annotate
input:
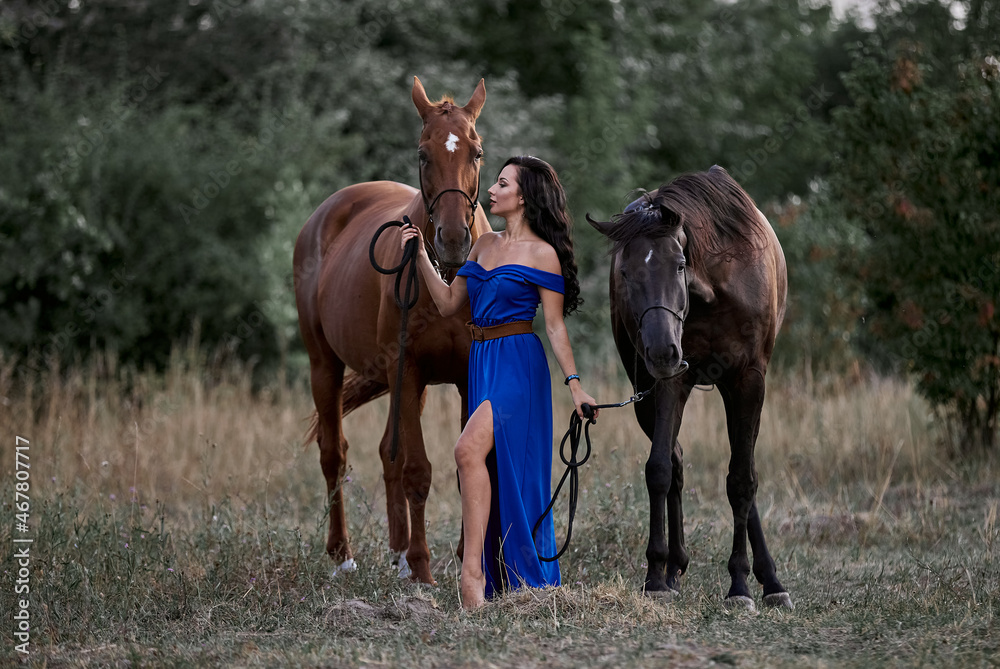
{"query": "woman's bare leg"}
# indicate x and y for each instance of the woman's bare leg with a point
(471, 450)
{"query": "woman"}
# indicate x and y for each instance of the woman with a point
(504, 454)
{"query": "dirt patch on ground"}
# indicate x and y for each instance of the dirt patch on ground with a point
(398, 609)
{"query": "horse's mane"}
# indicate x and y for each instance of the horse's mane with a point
(444, 105)
(719, 218)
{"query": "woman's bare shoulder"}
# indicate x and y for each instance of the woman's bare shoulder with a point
(485, 241)
(545, 258)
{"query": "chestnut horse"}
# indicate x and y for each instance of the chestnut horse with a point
(698, 289)
(349, 319)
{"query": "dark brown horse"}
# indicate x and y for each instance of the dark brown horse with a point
(349, 319)
(698, 290)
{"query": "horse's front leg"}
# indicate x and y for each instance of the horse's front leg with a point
(396, 507)
(677, 557)
(659, 479)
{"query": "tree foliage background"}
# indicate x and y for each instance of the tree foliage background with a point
(159, 158)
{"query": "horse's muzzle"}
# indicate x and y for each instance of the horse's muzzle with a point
(667, 366)
(452, 253)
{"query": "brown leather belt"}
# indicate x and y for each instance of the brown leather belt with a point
(497, 331)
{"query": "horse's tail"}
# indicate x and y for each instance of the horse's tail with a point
(358, 391)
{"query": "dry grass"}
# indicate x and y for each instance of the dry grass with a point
(196, 520)
(195, 437)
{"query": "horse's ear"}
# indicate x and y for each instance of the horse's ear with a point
(475, 103)
(603, 227)
(669, 216)
(419, 96)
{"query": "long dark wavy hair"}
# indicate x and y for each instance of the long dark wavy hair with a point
(545, 211)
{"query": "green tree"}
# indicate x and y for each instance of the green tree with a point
(825, 298)
(918, 171)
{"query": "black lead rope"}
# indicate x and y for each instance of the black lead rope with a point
(405, 302)
(573, 463)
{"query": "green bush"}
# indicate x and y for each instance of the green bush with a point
(918, 171)
(825, 297)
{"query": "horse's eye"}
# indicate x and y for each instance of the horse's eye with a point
(681, 268)
(423, 157)
(479, 156)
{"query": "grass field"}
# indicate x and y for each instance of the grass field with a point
(179, 521)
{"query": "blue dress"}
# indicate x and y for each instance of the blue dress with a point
(513, 374)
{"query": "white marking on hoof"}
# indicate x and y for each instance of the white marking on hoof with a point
(346, 566)
(739, 603)
(452, 142)
(404, 567)
(779, 600)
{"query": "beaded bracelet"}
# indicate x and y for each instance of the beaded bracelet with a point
(571, 377)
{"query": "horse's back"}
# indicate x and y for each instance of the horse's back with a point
(776, 262)
(762, 291)
(750, 290)
(332, 252)
(354, 210)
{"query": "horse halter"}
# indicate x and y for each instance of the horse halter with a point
(473, 201)
(682, 317)
(679, 316)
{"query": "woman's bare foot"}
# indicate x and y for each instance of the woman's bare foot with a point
(473, 590)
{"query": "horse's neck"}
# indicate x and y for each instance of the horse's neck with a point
(480, 225)
(417, 213)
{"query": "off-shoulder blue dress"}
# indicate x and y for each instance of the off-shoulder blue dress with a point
(513, 374)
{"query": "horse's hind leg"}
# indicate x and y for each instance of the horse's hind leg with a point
(744, 400)
(764, 570)
(327, 388)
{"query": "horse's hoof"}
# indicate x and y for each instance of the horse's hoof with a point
(346, 566)
(667, 595)
(779, 600)
(403, 565)
(427, 580)
(739, 603)
(424, 584)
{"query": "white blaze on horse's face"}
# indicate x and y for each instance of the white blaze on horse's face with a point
(452, 142)
(649, 255)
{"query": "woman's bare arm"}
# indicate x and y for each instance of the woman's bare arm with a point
(555, 328)
(448, 298)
